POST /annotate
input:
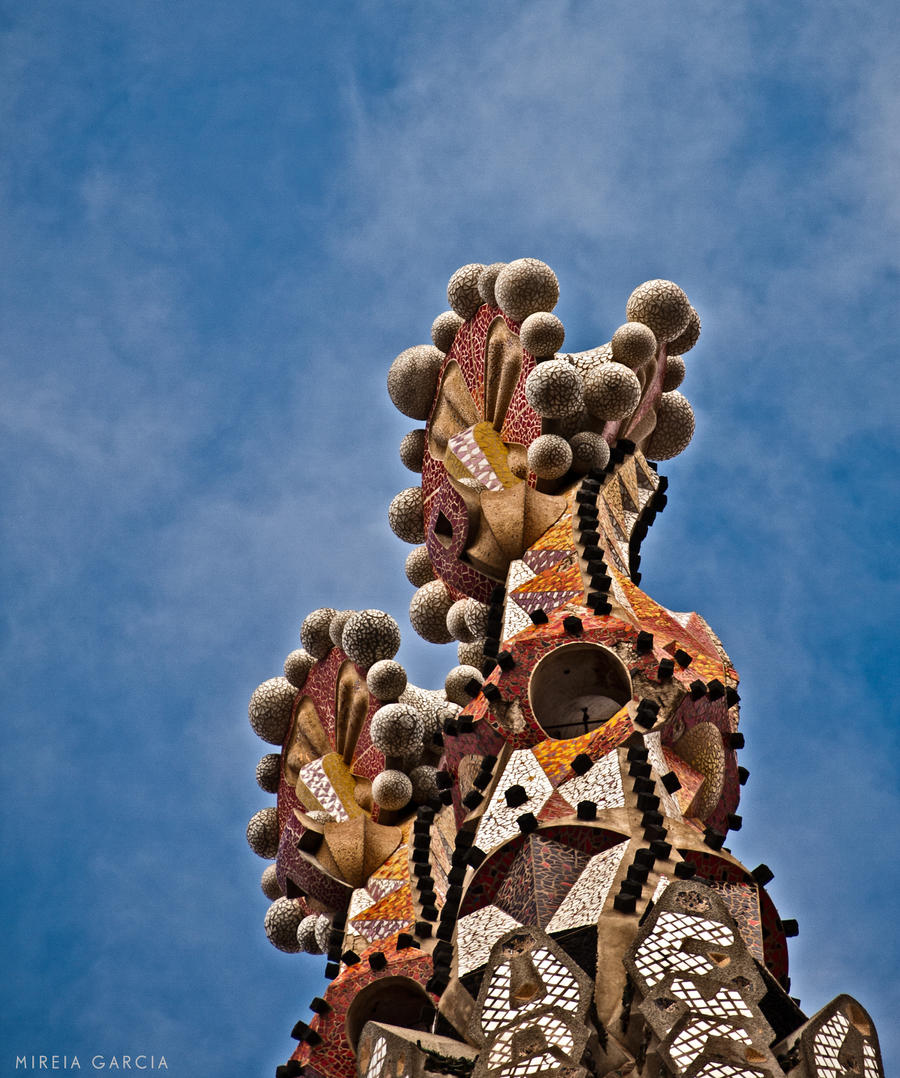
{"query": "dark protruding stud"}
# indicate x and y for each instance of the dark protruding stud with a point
(763, 875)
(684, 870)
(349, 958)
(645, 857)
(422, 930)
(587, 810)
(665, 669)
(436, 985)
(299, 1031)
(482, 780)
(445, 930)
(625, 903)
(319, 1006)
(682, 658)
(573, 625)
(420, 857)
(639, 752)
(457, 875)
(491, 647)
(590, 537)
(671, 782)
(492, 693)
(732, 696)
(425, 883)
(716, 689)
(505, 660)
(631, 887)
(446, 797)
(527, 823)
(476, 857)
(472, 688)
(599, 604)
(515, 796)
(736, 740)
(638, 872)
(450, 728)
(654, 832)
(378, 961)
(600, 582)
(581, 764)
(422, 872)
(639, 769)
(644, 643)
(661, 849)
(743, 775)
(538, 617)
(713, 838)
(586, 497)
(593, 552)
(647, 801)
(464, 839)
(466, 724)
(790, 927)
(429, 913)
(651, 819)
(698, 689)
(488, 666)
(644, 786)
(734, 821)
(444, 780)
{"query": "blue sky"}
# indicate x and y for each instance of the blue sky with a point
(220, 222)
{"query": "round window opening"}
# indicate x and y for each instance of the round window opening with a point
(577, 688)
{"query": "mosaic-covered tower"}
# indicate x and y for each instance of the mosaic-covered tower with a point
(524, 874)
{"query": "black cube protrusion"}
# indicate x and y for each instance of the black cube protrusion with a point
(638, 872)
(585, 497)
(647, 801)
(736, 740)
(654, 832)
(763, 875)
(422, 872)
(661, 850)
(425, 882)
(734, 821)
(645, 718)
(643, 786)
(651, 819)
(446, 797)
(457, 875)
(472, 688)
(636, 577)
(600, 582)
(581, 764)
(454, 895)
(631, 887)
(319, 1006)
(684, 870)
(444, 780)
(682, 658)
(592, 552)
(790, 927)
(671, 782)
(429, 913)
(598, 603)
(573, 625)
(437, 739)
(638, 752)
(639, 769)
(665, 669)
(476, 857)
(299, 1031)
(445, 930)
(349, 958)
(743, 775)
(645, 857)
(505, 660)
(378, 961)
(587, 810)
(427, 898)
(590, 537)
(422, 842)
(713, 838)
(527, 823)
(515, 796)
(466, 724)
(489, 666)
(617, 453)
(491, 647)
(538, 617)
(698, 689)
(464, 839)
(422, 930)
(716, 689)
(419, 857)
(488, 762)
(625, 903)
(644, 643)
(482, 780)
(436, 985)
(492, 693)
(732, 696)
(450, 728)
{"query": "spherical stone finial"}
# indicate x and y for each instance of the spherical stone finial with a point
(444, 329)
(589, 450)
(633, 344)
(283, 919)
(487, 280)
(270, 709)
(307, 939)
(456, 681)
(323, 932)
(456, 621)
(370, 635)
(675, 372)
(688, 337)
(269, 883)
(262, 833)
(336, 626)
(392, 790)
(526, 286)
(386, 680)
(554, 389)
(611, 391)
(297, 667)
(477, 615)
(406, 515)
(418, 567)
(315, 633)
(471, 654)
(424, 783)
(268, 772)
(413, 378)
(428, 610)
(397, 729)
(662, 306)
(549, 456)
(412, 450)
(542, 334)
(462, 290)
(674, 427)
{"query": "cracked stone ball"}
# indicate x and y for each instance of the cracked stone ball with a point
(424, 783)
(418, 567)
(633, 345)
(262, 833)
(471, 654)
(386, 680)
(307, 939)
(392, 790)
(554, 389)
(370, 635)
(456, 681)
(406, 515)
(297, 667)
(549, 456)
(589, 450)
(412, 450)
(462, 290)
(675, 372)
(315, 632)
(336, 626)
(269, 883)
(268, 772)
(428, 612)
(444, 329)
(397, 729)
(270, 709)
(662, 306)
(542, 334)
(283, 919)
(323, 932)
(674, 427)
(611, 391)
(524, 287)
(413, 378)
(487, 281)
(688, 337)
(456, 622)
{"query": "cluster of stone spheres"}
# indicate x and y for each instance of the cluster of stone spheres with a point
(525, 874)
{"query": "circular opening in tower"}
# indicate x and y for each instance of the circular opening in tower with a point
(577, 688)
(398, 1001)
